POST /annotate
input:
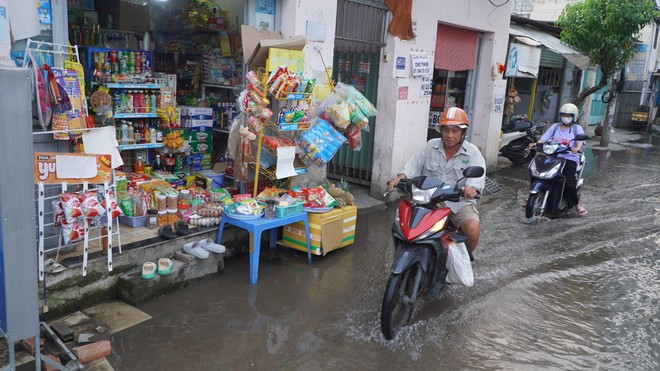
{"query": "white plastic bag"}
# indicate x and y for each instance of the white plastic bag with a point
(459, 265)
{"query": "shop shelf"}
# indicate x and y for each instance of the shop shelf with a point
(126, 147)
(135, 115)
(133, 86)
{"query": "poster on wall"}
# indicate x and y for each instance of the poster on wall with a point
(44, 12)
(523, 61)
(499, 93)
(421, 64)
(426, 86)
(265, 15)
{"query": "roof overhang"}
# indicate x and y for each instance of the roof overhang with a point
(552, 43)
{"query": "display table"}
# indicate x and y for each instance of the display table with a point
(255, 227)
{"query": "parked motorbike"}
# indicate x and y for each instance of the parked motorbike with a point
(517, 135)
(422, 234)
(546, 191)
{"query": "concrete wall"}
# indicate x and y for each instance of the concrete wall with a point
(402, 124)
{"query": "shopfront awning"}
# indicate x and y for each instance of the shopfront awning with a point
(552, 43)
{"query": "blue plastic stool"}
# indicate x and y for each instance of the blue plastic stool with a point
(255, 227)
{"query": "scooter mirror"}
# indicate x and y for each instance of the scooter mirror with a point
(473, 172)
(581, 137)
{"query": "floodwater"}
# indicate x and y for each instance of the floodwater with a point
(567, 293)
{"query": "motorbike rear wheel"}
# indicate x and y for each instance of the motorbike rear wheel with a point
(534, 203)
(395, 312)
(521, 146)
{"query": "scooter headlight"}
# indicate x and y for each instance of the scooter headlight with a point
(422, 196)
(550, 148)
(548, 174)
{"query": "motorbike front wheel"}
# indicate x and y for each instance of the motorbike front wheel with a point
(397, 310)
(534, 204)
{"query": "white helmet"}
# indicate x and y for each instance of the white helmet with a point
(569, 109)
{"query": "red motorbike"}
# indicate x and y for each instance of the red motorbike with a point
(422, 234)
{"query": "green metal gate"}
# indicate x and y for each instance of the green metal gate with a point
(361, 71)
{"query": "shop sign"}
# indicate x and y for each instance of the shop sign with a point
(421, 64)
(77, 167)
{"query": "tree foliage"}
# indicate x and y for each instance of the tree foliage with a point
(606, 31)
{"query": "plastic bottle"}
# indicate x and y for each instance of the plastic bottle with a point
(129, 102)
(153, 135)
(124, 132)
(139, 165)
(158, 163)
(131, 133)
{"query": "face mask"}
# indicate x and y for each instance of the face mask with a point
(566, 120)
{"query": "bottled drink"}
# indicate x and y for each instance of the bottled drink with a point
(158, 164)
(139, 165)
(131, 133)
(129, 101)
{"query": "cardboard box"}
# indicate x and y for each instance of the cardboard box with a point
(192, 123)
(202, 134)
(328, 231)
(201, 147)
(197, 113)
(256, 45)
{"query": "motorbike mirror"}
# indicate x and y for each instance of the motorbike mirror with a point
(581, 137)
(473, 172)
(531, 134)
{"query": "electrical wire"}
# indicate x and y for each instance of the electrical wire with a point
(497, 6)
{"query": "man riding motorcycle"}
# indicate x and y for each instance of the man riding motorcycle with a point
(565, 132)
(445, 158)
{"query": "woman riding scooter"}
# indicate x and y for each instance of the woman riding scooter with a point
(565, 132)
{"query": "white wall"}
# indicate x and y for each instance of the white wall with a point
(401, 127)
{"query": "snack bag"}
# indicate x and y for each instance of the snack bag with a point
(89, 203)
(353, 135)
(72, 232)
(58, 213)
(71, 206)
(340, 114)
(115, 211)
(314, 198)
(357, 117)
(349, 91)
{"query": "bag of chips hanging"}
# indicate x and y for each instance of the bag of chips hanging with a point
(71, 206)
(90, 205)
(72, 232)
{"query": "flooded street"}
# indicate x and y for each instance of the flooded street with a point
(568, 293)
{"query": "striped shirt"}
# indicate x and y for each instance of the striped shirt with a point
(432, 161)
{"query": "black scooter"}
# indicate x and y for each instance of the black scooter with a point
(546, 193)
(517, 135)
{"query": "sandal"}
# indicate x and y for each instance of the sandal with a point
(182, 228)
(581, 210)
(167, 233)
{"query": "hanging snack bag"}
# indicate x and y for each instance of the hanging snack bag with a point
(353, 135)
(349, 91)
(89, 203)
(71, 206)
(58, 213)
(340, 114)
(115, 211)
(72, 232)
(357, 116)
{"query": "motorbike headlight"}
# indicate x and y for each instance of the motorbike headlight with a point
(422, 196)
(549, 149)
(549, 174)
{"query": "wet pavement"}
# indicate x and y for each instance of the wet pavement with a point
(565, 293)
